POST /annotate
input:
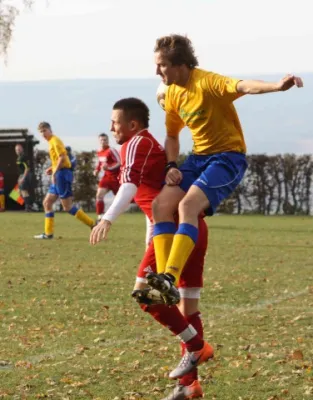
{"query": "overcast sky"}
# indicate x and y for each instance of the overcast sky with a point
(115, 38)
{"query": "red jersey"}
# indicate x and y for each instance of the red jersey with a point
(111, 157)
(143, 162)
(1, 182)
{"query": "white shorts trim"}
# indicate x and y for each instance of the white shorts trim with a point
(189, 293)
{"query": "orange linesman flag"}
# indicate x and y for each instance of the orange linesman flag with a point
(15, 195)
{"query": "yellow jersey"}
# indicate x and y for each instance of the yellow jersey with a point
(206, 107)
(57, 148)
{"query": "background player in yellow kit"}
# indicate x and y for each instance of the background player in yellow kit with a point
(61, 183)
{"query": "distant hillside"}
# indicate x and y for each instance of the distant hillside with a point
(79, 109)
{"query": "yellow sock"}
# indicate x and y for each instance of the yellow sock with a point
(162, 248)
(2, 201)
(163, 234)
(83, 217)
(49, 223)
(183, 244)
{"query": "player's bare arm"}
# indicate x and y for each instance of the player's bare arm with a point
(58, 166)
(100, 232)
(26, 171)
(121, 202)
(173, 176)
(49, 171)
(260, 87)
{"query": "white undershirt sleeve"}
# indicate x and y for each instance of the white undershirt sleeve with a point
(149, 231)
(122, 200)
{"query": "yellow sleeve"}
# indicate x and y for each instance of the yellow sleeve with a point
(222, 87)
(59, 147)
(174, 124)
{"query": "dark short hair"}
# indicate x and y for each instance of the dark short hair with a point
(68, 149)
(134, 109)
(44, 125)
(177, 49)
(103, 135)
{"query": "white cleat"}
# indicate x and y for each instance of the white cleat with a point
(191, 360)
(43, 236)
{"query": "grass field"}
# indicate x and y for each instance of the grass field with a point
(69, 329)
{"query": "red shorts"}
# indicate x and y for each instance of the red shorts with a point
(192, 276)
(110, 183)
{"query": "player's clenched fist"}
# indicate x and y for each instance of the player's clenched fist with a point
(100, 231)
(173, 177)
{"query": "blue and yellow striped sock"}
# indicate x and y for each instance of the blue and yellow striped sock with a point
(163, 235)
(183, 243)
(79, 214)
(49, 223)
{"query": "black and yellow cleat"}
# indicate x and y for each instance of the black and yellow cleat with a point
(164, 283)
(148, 296)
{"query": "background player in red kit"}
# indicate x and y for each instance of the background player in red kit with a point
(142, 175)
(108, 165)
(2, 198)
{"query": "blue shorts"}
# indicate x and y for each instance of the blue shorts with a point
(63, 184)
(217, 175)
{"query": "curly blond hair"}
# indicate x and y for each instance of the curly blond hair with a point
(177, 49)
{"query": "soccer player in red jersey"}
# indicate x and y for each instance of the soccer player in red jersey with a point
(142, 175)
(109, 166)
(2, 198)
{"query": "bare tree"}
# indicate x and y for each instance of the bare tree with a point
(8, 14)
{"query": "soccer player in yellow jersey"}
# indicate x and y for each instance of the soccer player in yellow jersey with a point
(61, 183)
(202, 101)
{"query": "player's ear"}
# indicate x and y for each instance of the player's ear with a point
(133, 125)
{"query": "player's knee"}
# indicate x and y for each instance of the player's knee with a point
(46, 204)
(100, 194)
(161, 207)
(188, 307)
(187, 207)
(66, 207)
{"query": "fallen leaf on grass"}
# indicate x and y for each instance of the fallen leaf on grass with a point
(23, 364)
(297, 355)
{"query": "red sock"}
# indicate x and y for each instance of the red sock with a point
(172, 318)
(99, 207)
(196, 322)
